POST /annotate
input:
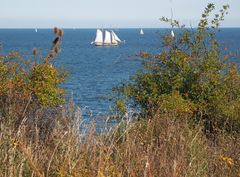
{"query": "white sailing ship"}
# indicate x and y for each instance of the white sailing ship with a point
(108, 39)
(141, 32)
(172, 34)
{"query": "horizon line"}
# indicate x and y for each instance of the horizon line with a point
(106, 28)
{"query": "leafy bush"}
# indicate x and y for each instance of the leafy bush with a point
(189, 76)
(27, 84)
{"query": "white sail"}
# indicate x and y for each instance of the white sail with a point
(36, 30)
(114, 41)
(172, 33)
(107, 40)
(115, 37)
(99, 37)
(141, 32)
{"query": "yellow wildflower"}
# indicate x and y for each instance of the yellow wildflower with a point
(228, 160)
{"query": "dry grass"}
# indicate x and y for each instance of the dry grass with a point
(164, 146)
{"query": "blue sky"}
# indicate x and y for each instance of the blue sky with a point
(107, 13)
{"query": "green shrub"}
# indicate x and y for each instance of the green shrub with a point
(189, 75)
(29, 84)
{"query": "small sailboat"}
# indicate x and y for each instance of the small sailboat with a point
(36, 30)
(141, 32)
(109, 39)
(172, 34)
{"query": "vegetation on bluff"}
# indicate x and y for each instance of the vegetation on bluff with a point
(189, 80)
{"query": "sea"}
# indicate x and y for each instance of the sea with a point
(94, 71)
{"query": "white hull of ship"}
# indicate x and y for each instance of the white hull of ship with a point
(110, 44)
(105, 44)
(98, 44)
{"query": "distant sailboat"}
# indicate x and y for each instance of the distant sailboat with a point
(110, 38)
(172, 33)
(36, 30)
(141, 32)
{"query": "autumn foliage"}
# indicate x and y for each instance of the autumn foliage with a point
(27, 84)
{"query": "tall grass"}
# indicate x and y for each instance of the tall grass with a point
(163, 146)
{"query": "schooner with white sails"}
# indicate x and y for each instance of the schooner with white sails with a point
(108, 39)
